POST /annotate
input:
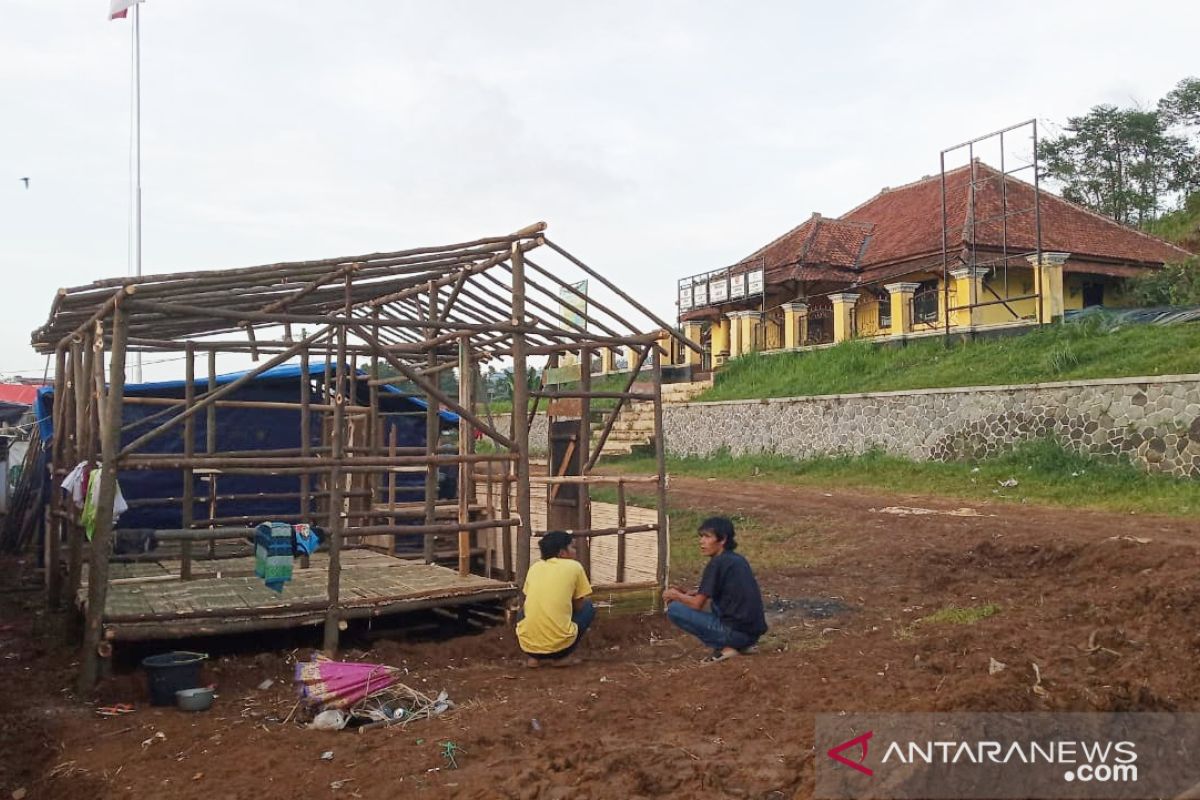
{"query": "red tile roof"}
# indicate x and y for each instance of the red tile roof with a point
(908, 223)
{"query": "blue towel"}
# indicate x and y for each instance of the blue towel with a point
(273, 554)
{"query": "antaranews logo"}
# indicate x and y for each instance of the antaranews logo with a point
(858, 741)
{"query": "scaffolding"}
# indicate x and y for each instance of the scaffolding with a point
(1010, 249)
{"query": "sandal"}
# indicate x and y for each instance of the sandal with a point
(717, 656)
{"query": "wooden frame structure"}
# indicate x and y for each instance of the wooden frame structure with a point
(419, 312)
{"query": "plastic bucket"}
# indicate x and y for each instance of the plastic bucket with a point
(167, 673)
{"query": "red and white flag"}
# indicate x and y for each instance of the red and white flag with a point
(118, 9)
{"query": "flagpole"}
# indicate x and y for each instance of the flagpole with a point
(137, 200)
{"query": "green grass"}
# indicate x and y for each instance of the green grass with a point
(761, 542)
(1086, 349)
(600, 383)
(1045, 473)
(959, 615)
(950, 615)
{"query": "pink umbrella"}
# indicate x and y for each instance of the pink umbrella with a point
(340, 684)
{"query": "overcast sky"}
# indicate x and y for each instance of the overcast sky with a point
(656, 139)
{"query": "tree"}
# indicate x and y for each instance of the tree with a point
(1181, 106)
(1120, 162)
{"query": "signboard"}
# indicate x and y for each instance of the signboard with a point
(573, 306)
(754, 283)
(718, 289)
(700, 294)
(685, 295)
(737, 286)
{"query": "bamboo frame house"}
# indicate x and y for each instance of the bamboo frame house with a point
(418, 312)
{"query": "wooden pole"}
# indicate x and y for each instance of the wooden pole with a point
(85, 439)
(214, 394)
(466, 446)
(616, 412)
(621, 514)
(520, 438)
(210, 442)
(305, 430)
(59, 467)
(432, 432)
(583, 519)
(660, 458)
(338, 441)
(621, 294)
(103, 536)
(187, 511)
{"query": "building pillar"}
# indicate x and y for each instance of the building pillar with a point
(795, 324)
(631, 356)
(1048, 279)
(968, 290)
(901, 298)
(720, 341)
(608, 360)
(667, 343)
(742, 331)
(843, 313)
(735, 334)
(693, 331)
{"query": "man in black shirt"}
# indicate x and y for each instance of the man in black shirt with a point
(735, 620)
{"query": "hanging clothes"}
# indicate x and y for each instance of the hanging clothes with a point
(307, 540)
(273, 554)
(90, 503)
(76, 483)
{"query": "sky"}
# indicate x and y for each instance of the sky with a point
(657, 140)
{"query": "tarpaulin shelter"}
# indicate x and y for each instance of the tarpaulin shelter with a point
(153, 495)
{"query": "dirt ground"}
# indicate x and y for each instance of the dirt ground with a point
(1104, 605)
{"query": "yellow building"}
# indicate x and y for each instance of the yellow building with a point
(987, 252)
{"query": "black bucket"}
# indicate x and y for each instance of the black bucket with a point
(169, 672)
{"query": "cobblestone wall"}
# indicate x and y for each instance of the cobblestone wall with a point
(539, 432)
(1153, 421)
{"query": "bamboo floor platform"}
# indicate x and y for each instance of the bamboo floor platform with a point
(146, 600)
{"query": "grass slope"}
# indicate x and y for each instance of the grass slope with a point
(1088, 349)
(1044, 473)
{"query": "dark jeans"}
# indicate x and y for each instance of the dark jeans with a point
(582, 619)
(707, 627)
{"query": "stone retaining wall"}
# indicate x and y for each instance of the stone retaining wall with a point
(1154, 421)
(539, 432)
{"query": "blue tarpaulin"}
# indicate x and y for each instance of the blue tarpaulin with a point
(245, 429)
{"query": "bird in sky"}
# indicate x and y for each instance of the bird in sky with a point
(26, 182)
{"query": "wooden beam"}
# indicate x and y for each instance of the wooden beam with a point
(216, 394)
(103, 537)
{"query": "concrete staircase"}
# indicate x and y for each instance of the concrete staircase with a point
(634, 428)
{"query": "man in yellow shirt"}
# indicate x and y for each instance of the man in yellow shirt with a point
(557, 611)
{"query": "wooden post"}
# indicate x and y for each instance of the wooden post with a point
(187, 511)
(338, 441)
(210, 445)
(432, 431)
(305, 442)
(620, 576)
(466, 446)
(64, 523)
(520, 407)
(583, 521)
(375, 424)
(58, 466)
(660, 458)
(110, 445)
(85, 451)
